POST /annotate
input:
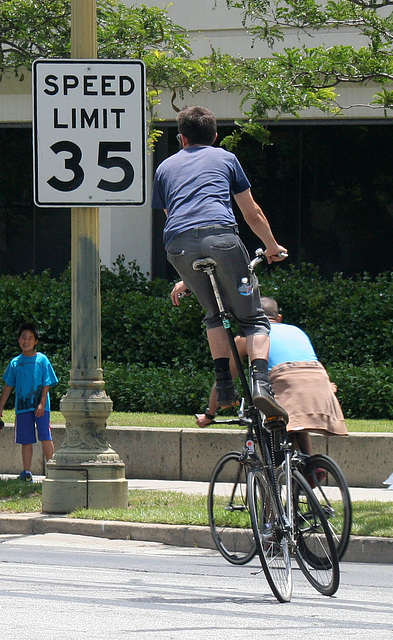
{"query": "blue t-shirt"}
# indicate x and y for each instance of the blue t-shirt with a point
(28, 375)
(195, 186)
(289, 344)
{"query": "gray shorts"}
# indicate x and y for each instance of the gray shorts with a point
(223, 244)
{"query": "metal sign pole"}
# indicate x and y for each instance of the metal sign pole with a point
(85, 456)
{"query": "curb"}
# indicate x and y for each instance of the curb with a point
(360, 549)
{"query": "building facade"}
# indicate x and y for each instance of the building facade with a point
(325, 183)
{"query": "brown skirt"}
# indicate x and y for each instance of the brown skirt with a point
(304, 389)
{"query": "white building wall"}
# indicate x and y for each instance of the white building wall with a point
(211, 23)
(127, 230)
(15, 99)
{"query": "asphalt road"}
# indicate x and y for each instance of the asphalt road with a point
(57, 586)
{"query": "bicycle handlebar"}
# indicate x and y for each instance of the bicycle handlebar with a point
(260, 256)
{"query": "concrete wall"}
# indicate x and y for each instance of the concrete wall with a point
(190, 454)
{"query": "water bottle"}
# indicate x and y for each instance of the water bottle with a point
(245, 287)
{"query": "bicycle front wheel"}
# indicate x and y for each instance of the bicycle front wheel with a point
(229, 517)
(270, 537)
(315, 550)
(331, 490)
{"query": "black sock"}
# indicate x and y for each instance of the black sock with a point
(221, 369)
(259, 369)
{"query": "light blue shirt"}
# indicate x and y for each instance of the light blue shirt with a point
(289, 344)
(28, 375)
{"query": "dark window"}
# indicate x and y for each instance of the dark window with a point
(327, 191)
(31, 238)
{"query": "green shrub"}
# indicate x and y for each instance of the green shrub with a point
(39, 299)
(157, 389)
(140, 324)
(140, 328)
(364, 392)
(156, 355)
(347, 319)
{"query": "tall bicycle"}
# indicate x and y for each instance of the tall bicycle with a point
(327, 482)
(278, 529)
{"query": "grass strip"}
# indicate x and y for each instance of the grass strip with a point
(164, 420)
(370, 518)
(373, 518)
(20, 497)
(157, 507)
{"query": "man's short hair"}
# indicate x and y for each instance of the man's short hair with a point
(270, 307)
(29, 326)
(198, 125)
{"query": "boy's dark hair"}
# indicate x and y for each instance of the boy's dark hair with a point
(29, 326)
(198, 124)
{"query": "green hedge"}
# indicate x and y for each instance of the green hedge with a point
(347, 319)
(40, 299)
(366, 391)
(180, 390)
(363, 392)
(156, 356)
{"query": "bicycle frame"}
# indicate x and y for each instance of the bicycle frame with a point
(251, 416)
(277, 530)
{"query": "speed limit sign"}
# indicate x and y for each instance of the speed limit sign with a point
(89, 133)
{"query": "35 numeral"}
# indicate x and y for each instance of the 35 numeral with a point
(73, 163)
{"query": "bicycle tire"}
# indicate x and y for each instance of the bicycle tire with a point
(339, 516)
(270, 537)
(315, 551)
(229, 517)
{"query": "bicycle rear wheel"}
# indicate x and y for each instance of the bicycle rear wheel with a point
(270, 537)
(229, 516)
(333, 495)
(315, 550)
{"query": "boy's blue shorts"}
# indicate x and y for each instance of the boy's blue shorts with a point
(25, 427)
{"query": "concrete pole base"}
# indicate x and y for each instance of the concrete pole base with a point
(92, 485)
(85, 472)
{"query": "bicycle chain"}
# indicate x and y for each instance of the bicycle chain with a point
(273, 456)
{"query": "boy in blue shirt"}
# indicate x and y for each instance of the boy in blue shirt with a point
(32, 375)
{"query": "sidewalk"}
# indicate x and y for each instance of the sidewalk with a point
(361, 549)
(357, 493)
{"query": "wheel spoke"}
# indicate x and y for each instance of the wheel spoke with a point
(229, 517)
(271, 542)
(315, 550)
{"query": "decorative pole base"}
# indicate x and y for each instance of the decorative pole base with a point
(85, 486)
(85, 472)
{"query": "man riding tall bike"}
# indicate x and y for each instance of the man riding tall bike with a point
(194, 188)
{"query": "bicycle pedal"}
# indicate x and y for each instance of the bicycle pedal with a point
(274, 422)
(235, 403)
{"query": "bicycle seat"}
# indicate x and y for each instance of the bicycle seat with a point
(204, 263)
